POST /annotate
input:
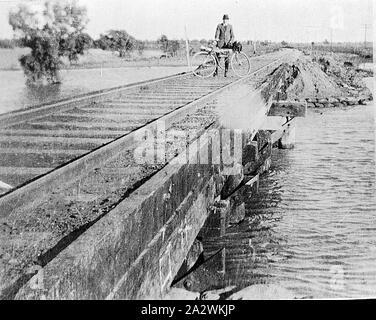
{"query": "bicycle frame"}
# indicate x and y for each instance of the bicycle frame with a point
(215, 54)
(220, 54)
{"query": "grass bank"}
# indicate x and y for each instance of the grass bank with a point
(97, 58)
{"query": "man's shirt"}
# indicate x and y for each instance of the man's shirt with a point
(224, 34)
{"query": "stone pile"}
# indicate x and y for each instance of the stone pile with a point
(337, 101)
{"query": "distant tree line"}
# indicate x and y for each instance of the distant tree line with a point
(363, 51)
(10, 43)
(119, 41)
(55, 29)
(170, 47)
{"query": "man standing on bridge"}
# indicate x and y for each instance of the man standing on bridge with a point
(224, 37)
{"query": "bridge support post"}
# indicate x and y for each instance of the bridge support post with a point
(287, 140)
(281, 121)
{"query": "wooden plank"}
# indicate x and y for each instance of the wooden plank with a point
(276, 135)
(4, 185)
(288, 109)
(136, 103)
(112, 118)
(258, 166)
(23, 171)
(104, 125)
(288, 138)
(253, 180)
(101, 134)
(41, 140)
(156, 98)
(24, 151)
(129, 110)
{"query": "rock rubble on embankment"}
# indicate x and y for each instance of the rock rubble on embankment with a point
(323, 81)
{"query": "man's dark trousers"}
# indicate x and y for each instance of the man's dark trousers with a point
(222, 45)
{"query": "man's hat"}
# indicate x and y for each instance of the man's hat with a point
(225, 17)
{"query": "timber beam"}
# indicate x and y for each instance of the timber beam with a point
(288, 109)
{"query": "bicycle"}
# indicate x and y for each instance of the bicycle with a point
(205, 62)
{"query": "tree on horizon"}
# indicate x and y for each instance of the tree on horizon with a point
(117, 40)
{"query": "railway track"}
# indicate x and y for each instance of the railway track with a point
(45, 140)
(90, 166)
(44, 147)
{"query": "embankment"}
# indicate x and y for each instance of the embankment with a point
(324, 81)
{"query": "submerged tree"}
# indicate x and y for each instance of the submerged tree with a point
(76, 45)
(173, 47)
(168, 46)
(51, 30)
(163, 43)
(140, 46)
(284, 43)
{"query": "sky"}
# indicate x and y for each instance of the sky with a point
(276, 20)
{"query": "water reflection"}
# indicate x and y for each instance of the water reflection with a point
(15, 95)
(246, 246)
(42, 93)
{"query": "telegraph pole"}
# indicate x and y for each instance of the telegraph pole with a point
(365, 26)
(314, 28)
(187, 47)
(331, 39)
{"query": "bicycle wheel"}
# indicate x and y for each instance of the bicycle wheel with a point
(240, 64)
(203, 64)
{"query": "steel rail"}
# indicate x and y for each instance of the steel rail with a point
(11, 118)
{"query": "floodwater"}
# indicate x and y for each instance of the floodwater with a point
(311, 230)
(14, 94)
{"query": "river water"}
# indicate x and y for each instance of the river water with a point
(323, 196)
(14, 94)
(311, 230)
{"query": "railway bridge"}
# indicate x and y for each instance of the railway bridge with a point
(103, 195)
